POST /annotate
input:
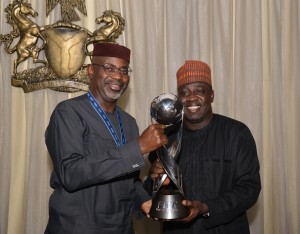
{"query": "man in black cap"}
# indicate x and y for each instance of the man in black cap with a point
(97, 153)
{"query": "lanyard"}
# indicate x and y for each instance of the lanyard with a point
(107, 122)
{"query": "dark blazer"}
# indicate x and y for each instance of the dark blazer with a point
(96, 184)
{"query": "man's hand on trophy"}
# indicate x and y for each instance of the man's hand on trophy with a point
(195, 208)
(157, 171)
(145, 207)
(152, 138)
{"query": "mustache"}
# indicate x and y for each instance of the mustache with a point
(115, 82)
(120, 83)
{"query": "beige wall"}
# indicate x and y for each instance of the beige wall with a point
(253, 49)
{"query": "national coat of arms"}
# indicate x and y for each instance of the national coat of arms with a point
(64, 44)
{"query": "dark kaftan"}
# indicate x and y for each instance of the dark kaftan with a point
(220, 166)
(96, 184)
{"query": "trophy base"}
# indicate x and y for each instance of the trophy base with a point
(168, 206)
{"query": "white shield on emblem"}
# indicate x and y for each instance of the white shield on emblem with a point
(65, 50)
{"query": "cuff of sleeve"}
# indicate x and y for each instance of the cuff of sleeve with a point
(132, 156)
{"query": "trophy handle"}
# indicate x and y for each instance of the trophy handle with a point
(172, 170)
(167, 156)
(158, 183)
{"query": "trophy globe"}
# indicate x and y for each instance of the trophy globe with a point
(166, 109)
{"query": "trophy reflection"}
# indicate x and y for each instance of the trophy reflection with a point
(167, 199)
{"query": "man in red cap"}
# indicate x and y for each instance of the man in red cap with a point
(218, 161)
(97, 153)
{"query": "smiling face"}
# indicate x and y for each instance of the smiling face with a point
(107, 88)
(196, 99)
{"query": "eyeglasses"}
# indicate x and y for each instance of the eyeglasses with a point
(110, 69)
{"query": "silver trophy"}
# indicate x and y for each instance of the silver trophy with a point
(167, 200)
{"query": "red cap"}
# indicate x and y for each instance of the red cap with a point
(193, 71)
(111, 50)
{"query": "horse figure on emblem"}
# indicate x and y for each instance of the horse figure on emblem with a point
(29, 33)
(114, 26)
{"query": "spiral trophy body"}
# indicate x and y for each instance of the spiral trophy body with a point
(166, 200)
